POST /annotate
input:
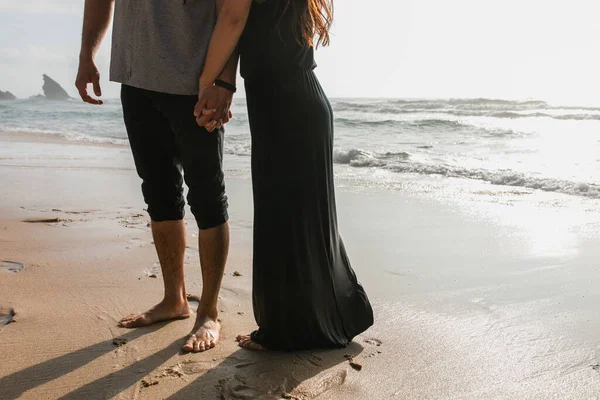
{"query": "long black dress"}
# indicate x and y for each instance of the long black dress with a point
(305, 294)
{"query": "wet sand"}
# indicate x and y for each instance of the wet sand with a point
(480, 299)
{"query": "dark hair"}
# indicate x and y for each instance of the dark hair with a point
(311, 18)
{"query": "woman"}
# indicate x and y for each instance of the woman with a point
(305, 294)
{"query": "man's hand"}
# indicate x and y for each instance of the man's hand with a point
(212, 109)
(88, 73)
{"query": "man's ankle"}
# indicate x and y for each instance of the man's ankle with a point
(208, 312)
(175, 299)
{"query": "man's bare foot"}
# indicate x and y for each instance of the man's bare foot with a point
(246, 342)
(204, 336)
(163, 311)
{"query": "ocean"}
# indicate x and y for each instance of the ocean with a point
(528, 144)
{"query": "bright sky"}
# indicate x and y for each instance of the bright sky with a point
(543, 49)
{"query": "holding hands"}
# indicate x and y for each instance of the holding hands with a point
(212, 109)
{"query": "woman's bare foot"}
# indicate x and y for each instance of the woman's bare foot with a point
(246, 342)
(163, 311)
(204, 336)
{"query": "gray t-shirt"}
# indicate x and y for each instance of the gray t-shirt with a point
(161, 45)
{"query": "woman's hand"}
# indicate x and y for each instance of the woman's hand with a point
(212, 109)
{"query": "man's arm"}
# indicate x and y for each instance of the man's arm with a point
(96, 18)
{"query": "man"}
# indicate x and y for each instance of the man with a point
(158, 52)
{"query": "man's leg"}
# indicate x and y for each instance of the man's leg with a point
(156, 158)
(169, 240)
(201, 155)
(214, 246)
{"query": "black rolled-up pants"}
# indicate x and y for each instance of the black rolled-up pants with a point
(168, 147)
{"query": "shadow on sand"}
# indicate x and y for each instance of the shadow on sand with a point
(268, 375)
(14, 385)
(243, 374)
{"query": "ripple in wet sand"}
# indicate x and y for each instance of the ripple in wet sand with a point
(53, 220)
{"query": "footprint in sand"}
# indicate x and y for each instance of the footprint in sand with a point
(135, 221)
(153, 271)
(238, 388)
(187, 368)
(374, 342)
(309, 359)
(320, 384)
(137, 242)
(11, 266)
(6, 316)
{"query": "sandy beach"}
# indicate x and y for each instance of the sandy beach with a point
(480, 292)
